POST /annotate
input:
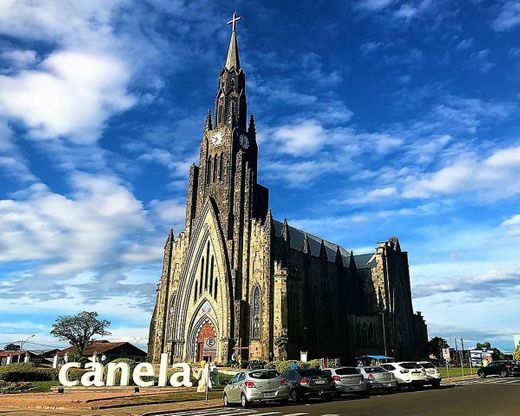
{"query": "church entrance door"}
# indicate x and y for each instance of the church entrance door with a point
(206, 342)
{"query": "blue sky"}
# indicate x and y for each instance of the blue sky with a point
(376, 118)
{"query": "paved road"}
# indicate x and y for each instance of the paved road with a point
(481, 397)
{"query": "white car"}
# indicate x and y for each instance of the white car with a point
(432, 373)
(407, 374)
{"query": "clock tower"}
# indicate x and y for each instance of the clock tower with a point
(226, 176)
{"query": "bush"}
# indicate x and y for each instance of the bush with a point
(283, 366)
(27, 372)
(7, 387)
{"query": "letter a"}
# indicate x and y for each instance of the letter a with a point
(183, 375)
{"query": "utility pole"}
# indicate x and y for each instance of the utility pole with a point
(21, 346)
(462, 356)
(456, 350)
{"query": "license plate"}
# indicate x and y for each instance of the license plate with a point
(269, 395)
(320, 381)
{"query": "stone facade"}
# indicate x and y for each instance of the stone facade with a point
(238, 276)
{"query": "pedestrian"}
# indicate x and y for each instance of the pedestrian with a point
(360, 363)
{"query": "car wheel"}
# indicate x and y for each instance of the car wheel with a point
(243, 401)
(294, 396)
(481, 374)
(225, 400)
(328, 397)
(436, 384)
(419, 386)
(503, 373)
(391, 390)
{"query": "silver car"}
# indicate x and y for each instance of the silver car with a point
(347, 380)
(377, 378)
(250, 386)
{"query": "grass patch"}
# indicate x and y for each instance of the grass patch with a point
(43, 386)
(456, 371)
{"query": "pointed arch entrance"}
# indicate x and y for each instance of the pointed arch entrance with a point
(205, 348)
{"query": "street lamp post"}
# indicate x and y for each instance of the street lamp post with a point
(21, 346)
(384, 331)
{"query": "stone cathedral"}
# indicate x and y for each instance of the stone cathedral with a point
(236, 280)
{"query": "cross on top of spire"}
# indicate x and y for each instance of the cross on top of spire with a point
(233, 21)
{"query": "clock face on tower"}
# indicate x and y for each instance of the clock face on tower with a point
(216, 138)
(244, 141)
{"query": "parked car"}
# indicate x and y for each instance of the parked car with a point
(377, 378)
(433, 375)
(251, 386)
(502, 368)
(304, 384)
(407, 374)
(347, 380)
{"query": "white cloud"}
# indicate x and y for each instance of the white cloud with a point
(509, 16)
(373, 5)
(302, 138)
(20, 58)
(171, 212)
(495, 176)
(70, 94)
(71, 234)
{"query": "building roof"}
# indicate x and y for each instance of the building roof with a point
(98, 347)
(363, 261)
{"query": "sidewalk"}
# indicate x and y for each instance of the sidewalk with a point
(458, 378)
(141, 410)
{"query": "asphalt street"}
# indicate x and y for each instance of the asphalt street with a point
(487, 398)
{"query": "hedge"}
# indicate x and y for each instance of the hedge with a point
(28, 372)
(283, 366)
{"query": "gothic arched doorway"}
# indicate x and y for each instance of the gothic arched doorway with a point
(206, 342)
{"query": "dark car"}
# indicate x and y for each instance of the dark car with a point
(304, 384)
(502, 368)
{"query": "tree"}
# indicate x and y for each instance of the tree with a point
(483, 345)
(12, 347)
(79, 329)
(435, 346)
(281, 342)
(516, 354)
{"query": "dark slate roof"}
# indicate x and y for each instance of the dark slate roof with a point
(363, 261)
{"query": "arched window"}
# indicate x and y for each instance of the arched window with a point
(201, 275)
(215, 167)
(220, 166)
(257, 306)
(215, 289)
(196, 290)
(207, 265)
(211, 274)
(208, 171)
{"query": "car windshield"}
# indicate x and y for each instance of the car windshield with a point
(311, 373)
(346, 371)
(427, 365)
(263, 374)
(374, 370)
(410, 366)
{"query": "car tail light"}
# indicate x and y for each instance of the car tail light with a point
(283, 382)
(403, 371)
(336, 378)
(371, 377)
(304, 381)
(249, 384)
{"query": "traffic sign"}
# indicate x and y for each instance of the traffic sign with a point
(210, 345)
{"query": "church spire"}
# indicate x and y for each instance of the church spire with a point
(232, 60)
(230, 103)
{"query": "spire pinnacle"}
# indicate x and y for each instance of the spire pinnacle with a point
(208, 124)
(232, 60)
